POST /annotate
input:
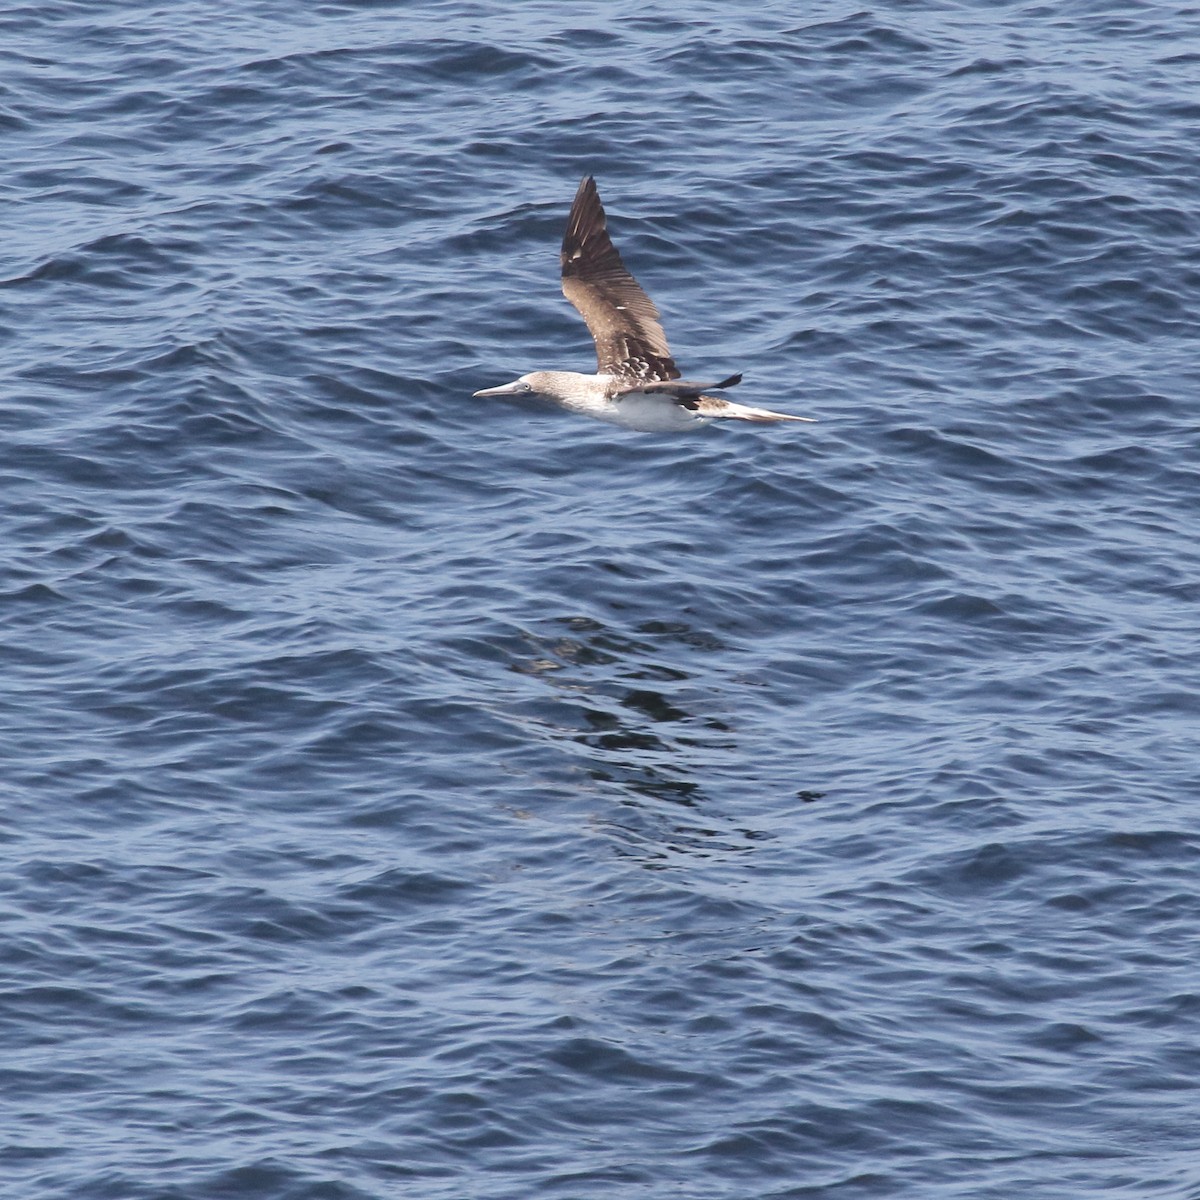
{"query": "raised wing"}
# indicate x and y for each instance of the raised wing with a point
(622, 319)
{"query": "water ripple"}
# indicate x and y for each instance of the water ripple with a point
(409, 792)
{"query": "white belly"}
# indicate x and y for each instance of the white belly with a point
(647, 414)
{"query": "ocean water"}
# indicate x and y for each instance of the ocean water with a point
(410, 795)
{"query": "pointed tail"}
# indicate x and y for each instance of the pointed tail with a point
(711, 406)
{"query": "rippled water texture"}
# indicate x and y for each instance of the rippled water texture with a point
(414, 795)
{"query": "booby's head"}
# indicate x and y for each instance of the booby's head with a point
(524, 386)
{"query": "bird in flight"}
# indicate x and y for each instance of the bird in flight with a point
(637, 384)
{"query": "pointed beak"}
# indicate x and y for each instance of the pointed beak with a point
(505, 389)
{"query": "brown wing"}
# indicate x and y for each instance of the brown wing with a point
(623, 320)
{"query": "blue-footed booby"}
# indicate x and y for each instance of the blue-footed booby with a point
(637, 383)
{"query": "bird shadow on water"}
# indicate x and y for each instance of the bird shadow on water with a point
(644, 732)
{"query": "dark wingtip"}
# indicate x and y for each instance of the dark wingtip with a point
(728, 383)
(585, 220)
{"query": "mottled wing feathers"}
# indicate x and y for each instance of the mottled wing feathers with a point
(622, 319)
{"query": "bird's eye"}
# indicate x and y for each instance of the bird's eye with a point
(526, 387)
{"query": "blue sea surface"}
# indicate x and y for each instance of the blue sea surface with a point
(413, 795)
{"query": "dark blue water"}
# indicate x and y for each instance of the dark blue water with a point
(413, 795)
